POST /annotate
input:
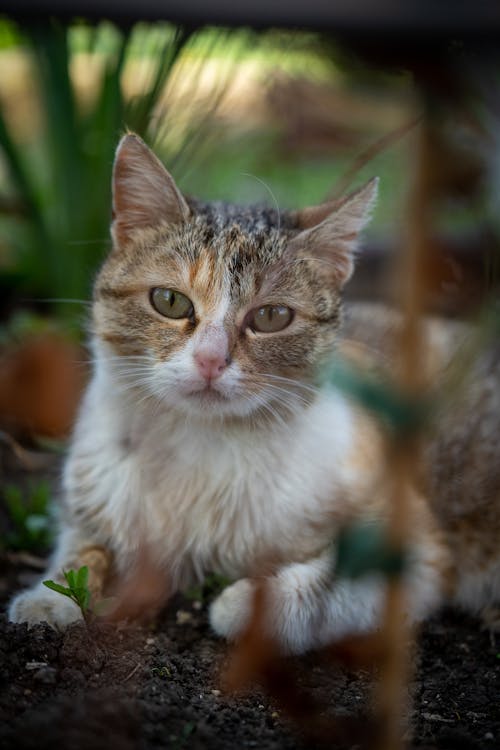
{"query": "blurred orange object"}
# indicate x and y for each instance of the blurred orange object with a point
(41, 381)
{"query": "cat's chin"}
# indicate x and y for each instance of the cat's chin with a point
(208, 397)
(213, 404)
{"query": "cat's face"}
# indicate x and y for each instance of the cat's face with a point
(214, 310)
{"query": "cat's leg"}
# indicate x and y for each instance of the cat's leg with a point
(41, 604)
(306, 607)
(96, 487)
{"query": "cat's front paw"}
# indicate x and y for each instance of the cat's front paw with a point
(231, 611)
(40, 604)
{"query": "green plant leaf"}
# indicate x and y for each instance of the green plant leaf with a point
(82, 577)
(59, 588)
(28, 516)
(36, 524)
(70, 577)
(39, 499)
(363, 548)
(399, 411)
(14, 501)
(82, 596)
(208, 589)
(77, 589)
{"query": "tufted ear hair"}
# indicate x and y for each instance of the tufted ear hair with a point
(330, 231)
(144, 193)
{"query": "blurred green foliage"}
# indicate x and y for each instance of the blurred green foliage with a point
(401, 413)
(28, 517)
(63, 190)
(24, 324)
(211, 586)
(363, 548)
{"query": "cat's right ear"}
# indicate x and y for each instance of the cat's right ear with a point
(144, 193)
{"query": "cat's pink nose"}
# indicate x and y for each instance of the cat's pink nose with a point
(210, 365)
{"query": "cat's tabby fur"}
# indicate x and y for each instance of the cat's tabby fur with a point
(207, 444)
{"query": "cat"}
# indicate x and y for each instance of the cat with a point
(208, 439)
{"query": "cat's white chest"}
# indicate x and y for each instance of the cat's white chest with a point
(218, 498)
(208, 497)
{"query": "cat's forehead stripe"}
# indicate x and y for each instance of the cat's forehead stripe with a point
(252, 219)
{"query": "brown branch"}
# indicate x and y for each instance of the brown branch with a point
(403, 450)
(368, 154)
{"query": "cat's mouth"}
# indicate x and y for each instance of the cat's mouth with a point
(215, 400)
(208, 395)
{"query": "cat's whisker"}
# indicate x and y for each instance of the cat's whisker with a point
(63, 300)
(132, 391)
(291, 401)
(132, 371)
(116, 363)
(124, 358)
(130, 375)
(283, 402)
(263, 407)
(263, 378)
(287, 388)
(133, 378)
(132, 381)
(97, 241)
(276, 416)
(273, 197)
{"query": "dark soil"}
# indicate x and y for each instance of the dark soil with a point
(160, 687)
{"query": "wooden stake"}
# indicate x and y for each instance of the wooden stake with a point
(403, 450)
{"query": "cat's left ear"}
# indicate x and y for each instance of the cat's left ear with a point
(330, 231)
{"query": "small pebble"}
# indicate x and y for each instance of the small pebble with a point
(183, 617)
(32, 665)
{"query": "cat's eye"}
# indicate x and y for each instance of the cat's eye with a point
(170, 303)
(270, 318)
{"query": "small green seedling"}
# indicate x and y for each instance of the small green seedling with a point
(164, 672)
(76, 590)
